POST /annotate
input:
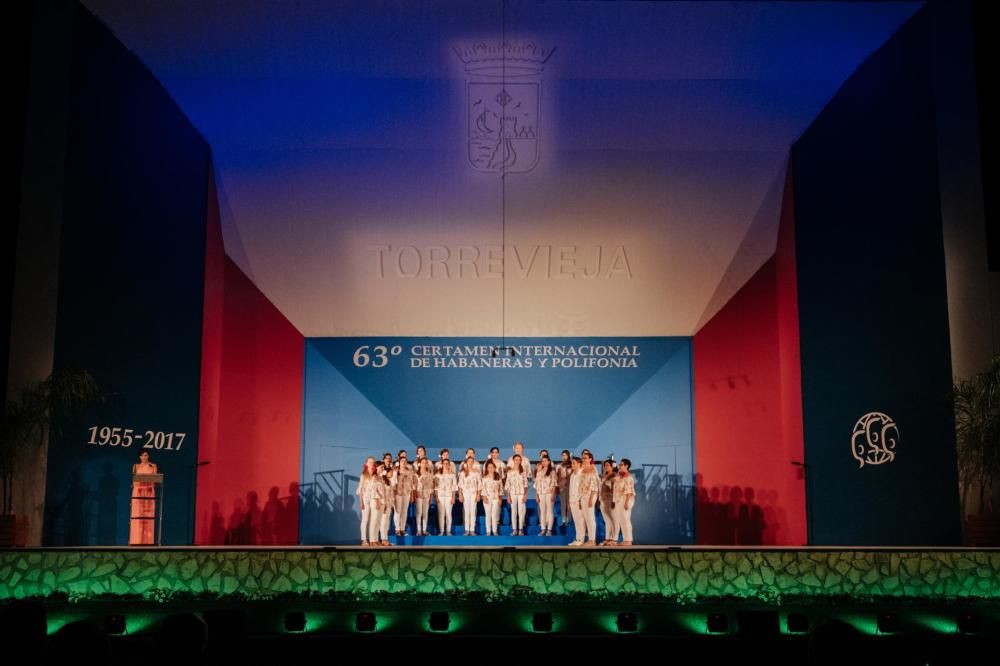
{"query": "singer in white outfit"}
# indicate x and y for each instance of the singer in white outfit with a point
(425, 490)
(383, 502)
(517, 492)
(573, 500)
(468, 493)
(445, 487)
(491, 490)
(367, 492)
(623, 499)
(545, 491)
(404, 492)
(589, 488)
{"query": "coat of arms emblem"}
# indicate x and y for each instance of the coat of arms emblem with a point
(503, 102)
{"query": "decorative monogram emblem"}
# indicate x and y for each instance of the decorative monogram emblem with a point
(874, 439)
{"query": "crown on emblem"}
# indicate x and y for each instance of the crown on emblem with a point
(504, 58)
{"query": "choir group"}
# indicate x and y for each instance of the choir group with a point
(388, 487)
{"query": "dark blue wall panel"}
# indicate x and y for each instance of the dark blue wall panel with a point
(873, 308)
(130, 290)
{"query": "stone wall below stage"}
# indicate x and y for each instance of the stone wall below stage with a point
(694, 573)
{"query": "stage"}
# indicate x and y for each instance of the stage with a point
(694, 573)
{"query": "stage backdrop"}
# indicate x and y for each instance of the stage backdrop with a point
(627, 397)
(131, 277)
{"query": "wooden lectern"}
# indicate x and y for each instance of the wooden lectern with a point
(157, 499)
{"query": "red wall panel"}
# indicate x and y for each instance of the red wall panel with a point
(748, 408)
(251, 409)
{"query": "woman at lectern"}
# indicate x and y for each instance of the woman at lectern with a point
(141, 525)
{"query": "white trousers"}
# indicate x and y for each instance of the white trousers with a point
(402, 508)
(469, 514)
(589, 518)
(423, 505)
(545, 517)
(517, 513)
(492, 509)
(578, 525)
(386, 515)
(623, 522)
(375, 529)
(444, 515)
(609, 521)
(369, 521)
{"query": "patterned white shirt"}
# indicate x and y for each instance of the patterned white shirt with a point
(469, 485)
(490, 488)
(446, 485)
(425, 485)
(405, 483)
(545, 483)
(368, 489)
(516, 484)
(574, 489)
(588, 484)
(624, 486)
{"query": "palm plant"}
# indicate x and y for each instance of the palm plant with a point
(977, 435)
(28, 418)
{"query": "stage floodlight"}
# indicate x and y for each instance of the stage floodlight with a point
(627, 623)
(114, 624)
(797, 623)
(295, 621)
(439, 621)
(365, 621)
(717, 623)
(542, 622)
(888, 623)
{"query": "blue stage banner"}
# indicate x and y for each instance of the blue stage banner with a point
(620, 397)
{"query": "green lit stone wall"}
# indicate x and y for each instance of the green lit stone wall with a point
(698, 574)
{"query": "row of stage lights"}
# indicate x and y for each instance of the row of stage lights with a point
(749, 623)
(759, 623)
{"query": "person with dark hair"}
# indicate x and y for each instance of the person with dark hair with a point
(445, 487)
(141, 530)
(622, 501)
(500, 465)
(517, 492)
(589, 487)
(424, 482)
(404, 493)
(545, 492)
(491, 490)
(563, 473)
(468, 495)
(573, 501)
(383, 500)
(607, 490)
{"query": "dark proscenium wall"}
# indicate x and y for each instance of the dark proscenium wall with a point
(872, 304)
(131, 275)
